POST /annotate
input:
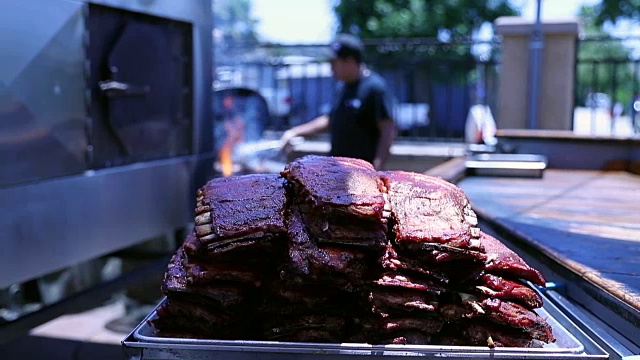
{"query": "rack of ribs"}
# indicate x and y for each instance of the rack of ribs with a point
(330, 250)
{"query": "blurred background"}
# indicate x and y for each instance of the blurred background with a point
(450, 53)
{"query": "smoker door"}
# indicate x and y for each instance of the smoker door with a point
(141, 88)
(42, 111)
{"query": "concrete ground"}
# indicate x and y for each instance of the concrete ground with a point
(77, 336)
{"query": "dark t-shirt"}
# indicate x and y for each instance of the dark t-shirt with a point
(355, 116)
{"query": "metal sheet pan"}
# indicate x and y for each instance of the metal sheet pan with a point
(518, 165)
(567, 346)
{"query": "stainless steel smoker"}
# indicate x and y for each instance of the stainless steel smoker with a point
(105, 132)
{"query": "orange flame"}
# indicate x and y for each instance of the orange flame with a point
(226, 161)
(234, 128)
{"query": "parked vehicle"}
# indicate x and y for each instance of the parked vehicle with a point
(279, 81)
(278, 98)
(304, 86)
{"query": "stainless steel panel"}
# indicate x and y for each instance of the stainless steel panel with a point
(193, 11)
(202, 79)
(42, 112)
(571, 344)
(53, 224)
(49, 200)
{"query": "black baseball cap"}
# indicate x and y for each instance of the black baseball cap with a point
(347, 45)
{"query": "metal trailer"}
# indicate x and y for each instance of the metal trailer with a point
(105, 132)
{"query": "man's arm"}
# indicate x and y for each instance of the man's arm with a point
(315, 126)
(387, 135)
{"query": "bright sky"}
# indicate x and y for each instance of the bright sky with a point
(551, 9)
(311, 21)
(294, 21)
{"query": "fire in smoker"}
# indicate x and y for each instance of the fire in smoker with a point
(233, 125)
(331, 250)
(242, 147)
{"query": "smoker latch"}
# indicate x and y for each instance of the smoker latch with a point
(116, 88)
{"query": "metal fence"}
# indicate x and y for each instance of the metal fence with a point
(433, 84)
(608, 83)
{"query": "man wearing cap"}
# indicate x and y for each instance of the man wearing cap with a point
(360, 121)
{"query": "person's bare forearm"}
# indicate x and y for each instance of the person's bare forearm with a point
(387, 136)
(317, 125)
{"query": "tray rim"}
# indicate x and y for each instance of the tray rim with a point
(351, 348)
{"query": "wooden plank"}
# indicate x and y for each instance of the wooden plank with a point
(452, 170)
(511, 196)
(587, 220)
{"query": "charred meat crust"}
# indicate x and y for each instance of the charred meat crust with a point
(240, 206)
(428, 209)
(350, 187)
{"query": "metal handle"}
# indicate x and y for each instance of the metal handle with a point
(117, 88)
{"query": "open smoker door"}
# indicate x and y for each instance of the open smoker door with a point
(142, 94)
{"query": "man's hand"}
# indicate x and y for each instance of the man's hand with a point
(378, 163)
(294, 135)
(288, 139)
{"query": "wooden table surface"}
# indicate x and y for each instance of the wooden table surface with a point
(587, 220)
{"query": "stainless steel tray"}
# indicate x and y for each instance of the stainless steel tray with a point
(518, 165)
(142, 343)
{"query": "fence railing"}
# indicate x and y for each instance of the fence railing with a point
(434, 83)
(607, 85)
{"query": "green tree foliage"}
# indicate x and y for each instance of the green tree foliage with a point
(233, 29)
(603, 62)
(232, 19)
(417, 18)
(425, 32)
(615, 10)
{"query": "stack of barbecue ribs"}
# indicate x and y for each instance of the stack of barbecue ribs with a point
(331, 250)
(215, 277)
